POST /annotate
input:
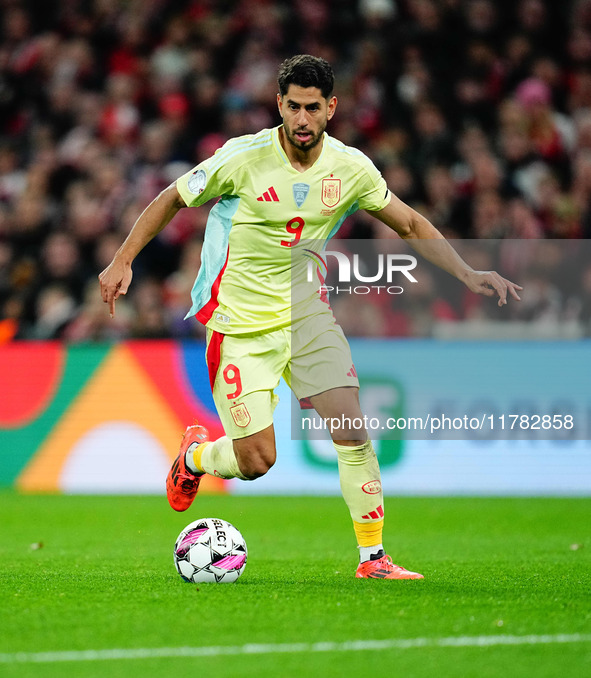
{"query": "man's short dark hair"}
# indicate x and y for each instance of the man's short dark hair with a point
(305, 70)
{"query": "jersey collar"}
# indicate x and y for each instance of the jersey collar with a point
(283, 155)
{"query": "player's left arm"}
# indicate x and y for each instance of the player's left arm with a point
(424, 238)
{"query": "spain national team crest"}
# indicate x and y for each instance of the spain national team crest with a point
(240, 415)
(331, 191)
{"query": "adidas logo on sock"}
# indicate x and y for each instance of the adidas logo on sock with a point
(269, 196)
(374, 515)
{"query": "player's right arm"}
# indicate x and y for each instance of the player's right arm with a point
(116, 278)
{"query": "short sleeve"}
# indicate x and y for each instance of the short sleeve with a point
(373, 192)
(209, 179)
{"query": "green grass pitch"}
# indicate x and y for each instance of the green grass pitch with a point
(104, 579)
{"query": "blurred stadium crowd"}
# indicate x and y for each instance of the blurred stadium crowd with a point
(478, 113)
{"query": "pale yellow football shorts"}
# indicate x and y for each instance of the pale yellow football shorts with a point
(312, 355)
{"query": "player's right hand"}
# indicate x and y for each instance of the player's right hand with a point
(114, 281)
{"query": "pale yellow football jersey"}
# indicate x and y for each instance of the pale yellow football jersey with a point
(266, 210)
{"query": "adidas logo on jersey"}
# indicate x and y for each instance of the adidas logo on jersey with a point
(269, 196)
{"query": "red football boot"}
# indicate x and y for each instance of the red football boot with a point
(384, 568)
(182, 484)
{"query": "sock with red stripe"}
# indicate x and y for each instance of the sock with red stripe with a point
(359, 473)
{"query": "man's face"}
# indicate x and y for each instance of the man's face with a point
(305, 113)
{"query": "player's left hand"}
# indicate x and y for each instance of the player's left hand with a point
(490, 283)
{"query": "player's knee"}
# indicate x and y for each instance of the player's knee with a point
(256, 460)
(255, 470)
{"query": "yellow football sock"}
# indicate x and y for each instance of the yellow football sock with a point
(218, 459)
(369, 534)
(359, 473)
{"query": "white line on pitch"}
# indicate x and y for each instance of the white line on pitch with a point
(290, 648)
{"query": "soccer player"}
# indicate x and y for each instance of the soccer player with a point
(278, 188)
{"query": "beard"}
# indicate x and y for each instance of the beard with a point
(303, 145)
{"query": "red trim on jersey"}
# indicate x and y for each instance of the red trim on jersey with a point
(205, 313)
(213, 355)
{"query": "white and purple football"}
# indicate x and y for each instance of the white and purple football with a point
(210, 550)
